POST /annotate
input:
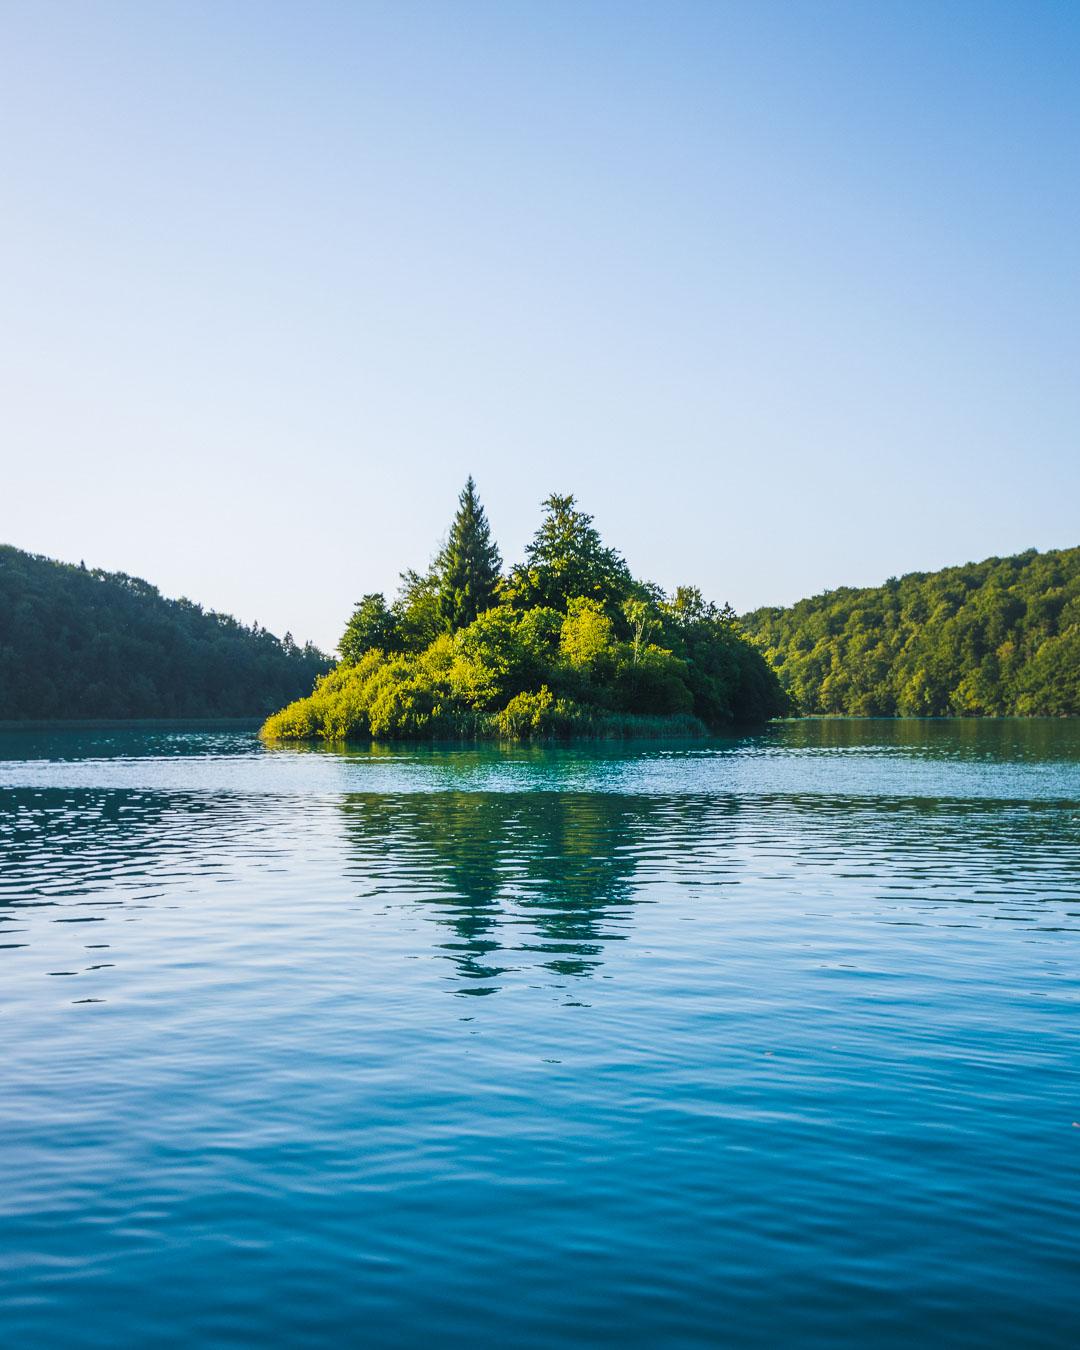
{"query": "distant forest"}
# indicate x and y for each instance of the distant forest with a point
(996, 638)
(83, 643)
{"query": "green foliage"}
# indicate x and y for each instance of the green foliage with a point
(651, 679)
(587, 639)
(77, 642)
(566, 560)
(541, 632)
(371, 625)
(459, 584)
(530, 715)
(618, 658)
(468, 567)
(416, 610)
(996, 638)
(500, 655)
(726, 674)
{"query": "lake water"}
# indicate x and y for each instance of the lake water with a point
(769, 1042)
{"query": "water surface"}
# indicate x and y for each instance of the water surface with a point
(770, 1041)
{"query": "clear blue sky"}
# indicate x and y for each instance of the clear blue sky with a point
(787, 294)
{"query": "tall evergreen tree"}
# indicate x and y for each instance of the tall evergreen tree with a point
(468, 567)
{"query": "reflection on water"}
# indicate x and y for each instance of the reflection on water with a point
(550, 880)
(534, 885)
(544, 877)
(787, 1013)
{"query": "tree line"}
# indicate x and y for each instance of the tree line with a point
(566, 641)
(77, 642)
(995, 638)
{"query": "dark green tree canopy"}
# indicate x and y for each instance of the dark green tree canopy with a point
(81, 642)
(416, 608)
(372, 625)
(567, 560)
(468, 567)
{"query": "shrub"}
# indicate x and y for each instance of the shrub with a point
(654, 683)
(587, 637)
(527, 714)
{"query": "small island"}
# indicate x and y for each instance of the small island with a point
(566, 643)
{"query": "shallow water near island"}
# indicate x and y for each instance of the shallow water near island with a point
(766, 1041)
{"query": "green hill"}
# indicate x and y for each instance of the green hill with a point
(995, 638)
(79, 643)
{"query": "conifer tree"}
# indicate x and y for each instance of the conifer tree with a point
(468, 567)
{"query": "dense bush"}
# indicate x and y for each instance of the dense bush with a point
(617, 658)
(85, 643)
(995, 638)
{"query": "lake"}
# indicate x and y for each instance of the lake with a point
(770, 1041)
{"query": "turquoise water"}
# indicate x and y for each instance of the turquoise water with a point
(767, 1042)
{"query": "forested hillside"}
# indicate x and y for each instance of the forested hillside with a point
(85, 643)
(994, 638)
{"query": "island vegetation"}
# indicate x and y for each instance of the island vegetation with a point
(77, 642)
(566, 642)
(995, 638)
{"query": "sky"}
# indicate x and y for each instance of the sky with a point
(788, 294)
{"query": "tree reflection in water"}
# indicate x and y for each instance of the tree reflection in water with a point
(550, 874)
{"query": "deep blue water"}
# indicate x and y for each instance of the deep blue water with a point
(771, 1042)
